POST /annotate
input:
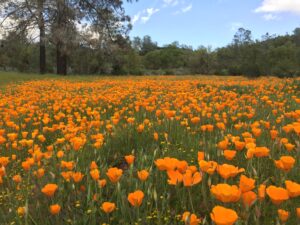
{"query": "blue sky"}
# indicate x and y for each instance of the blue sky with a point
(211, 22)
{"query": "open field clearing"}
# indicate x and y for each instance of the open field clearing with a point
(149, 150)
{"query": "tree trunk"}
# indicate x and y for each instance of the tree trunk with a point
(42, 37)
(61, 56)
(61, 60)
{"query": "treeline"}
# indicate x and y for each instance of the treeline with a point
(271, 55)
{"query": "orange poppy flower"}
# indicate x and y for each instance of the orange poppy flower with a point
(77, 177)
(277, 194)
(143, 175)
(195, 120)
(40, 173)
(108, 207)
(210, 127)
(182, 166)
(49, 189)
(140, 128)
(208, 166)
(77, 143)
(239, 145)
(223, 216)
(289, 146)
(101, 183)
(55, 209)
(60, 154)
(190, 219)
(129, 159)
(17, 178)
(285, 163)
(95, 174)
(190, 178)
(21, 211)
(93, 165)
(175, 177)
(136, 198)
(155, 136)
(200, 156)
(69, 165)
(226, 193)
(273, 134)
(229, 154)
(67, 175)
(223, 144)
(193, 169)
(283, 215)
(258, 152)
(298, 212)
(166, 163)
(293, 188)
(114, 174)
(262, 192)
(226, 171)
(4, 161)
(246, 184)
(256, 132)
(249, 198)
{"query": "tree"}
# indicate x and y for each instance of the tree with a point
(106, 18)
(27, 15)
(148, 45)
(137, 44)
(242, 36)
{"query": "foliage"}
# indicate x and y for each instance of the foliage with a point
(272, 55)
(150, 150)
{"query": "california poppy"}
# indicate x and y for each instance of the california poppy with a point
(55, 209)
(208, 166)
(226, 171)
(129, 159)
(77, 177)
(143, 175)
(175, 177)
(283, 215)
(277, 194)
(226, 193)
(249, 198)
(246, 184)
(136, 198)
(190, 219)
(262, 192)
(108, 207)
(293, 188)
(101, 183)
(49, 189)
(229, 154)
(114, 174)
(95, 174)
(223, 216)
(285, 163)
(166, 163)
(190, 178)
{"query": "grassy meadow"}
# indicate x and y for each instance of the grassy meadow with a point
(149, 150)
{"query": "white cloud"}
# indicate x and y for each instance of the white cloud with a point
(235, 26)
(136, 18)
(184, 9)
(170, 3)
(187, 8)
(278, 6)
(144, 16)
(148, 14)
(270, 16)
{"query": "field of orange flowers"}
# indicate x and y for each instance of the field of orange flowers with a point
(150, 150)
